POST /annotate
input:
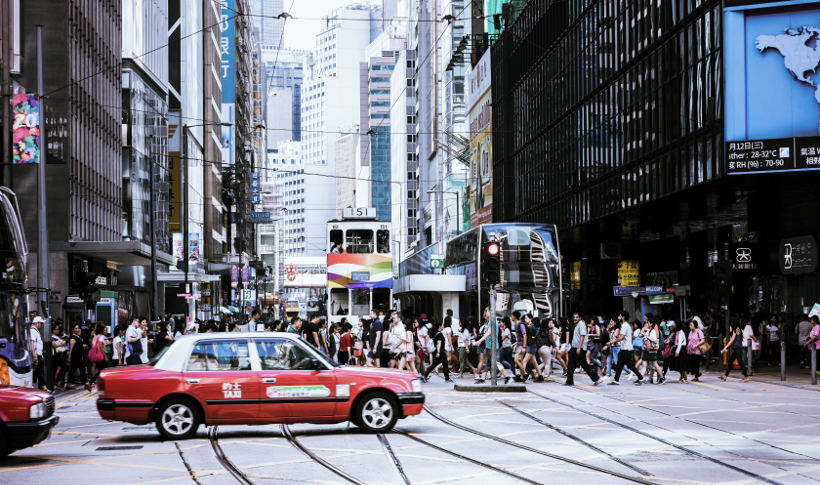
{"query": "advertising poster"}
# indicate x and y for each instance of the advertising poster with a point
(359, 271)
(234, 274)
(25, 129)
(246, 274)
(176, 242)
(479, 116)
(175, 192)
(628, 273)
(772, 69)
(193, 247)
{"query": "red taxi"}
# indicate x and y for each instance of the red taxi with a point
(253, 378)
(26, 417)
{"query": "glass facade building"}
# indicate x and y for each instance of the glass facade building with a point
(146, 143)
(604, 106)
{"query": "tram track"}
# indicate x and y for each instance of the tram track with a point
(645, 434)
(576, 438)
(634, 479)
(288, 434)
(223, 459)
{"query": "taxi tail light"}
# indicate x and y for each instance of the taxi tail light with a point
(101, 386)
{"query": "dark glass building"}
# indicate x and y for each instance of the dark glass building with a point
(608, 121)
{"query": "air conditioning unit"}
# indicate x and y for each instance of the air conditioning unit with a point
(610, 251)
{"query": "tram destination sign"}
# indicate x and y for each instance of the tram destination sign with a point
(774, 155)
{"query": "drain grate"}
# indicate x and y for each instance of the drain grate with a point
(118, 448)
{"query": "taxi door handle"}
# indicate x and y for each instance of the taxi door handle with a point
(193, 381)
(268, 380)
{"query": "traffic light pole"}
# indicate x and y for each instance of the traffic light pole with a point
(493, 325)
(42, 230)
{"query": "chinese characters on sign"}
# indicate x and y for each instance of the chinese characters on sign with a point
(628, 274)
(232, 391)
(745, 256)
(798, 255)
(26, 129)
(781, 154)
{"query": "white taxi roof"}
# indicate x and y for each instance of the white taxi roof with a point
(176, 357)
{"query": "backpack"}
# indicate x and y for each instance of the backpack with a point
(532, 335)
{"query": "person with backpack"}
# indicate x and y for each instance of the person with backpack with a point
(486, 350)
(576, 355)
(439, 353)
(529, 349)
(594, 344)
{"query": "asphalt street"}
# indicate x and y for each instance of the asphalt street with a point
(707, 432)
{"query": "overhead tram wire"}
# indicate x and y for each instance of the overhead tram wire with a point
(199, 31)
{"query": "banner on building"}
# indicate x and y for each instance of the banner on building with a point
(256, 188)
(175, 193)
(234, 274)
(772, 106)
(193, 247)
(246, 274)
(176, 241)
(479, 115)
(25, 128)
(628, 273)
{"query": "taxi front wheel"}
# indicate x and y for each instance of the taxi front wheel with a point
(376, 413)
(177, 419)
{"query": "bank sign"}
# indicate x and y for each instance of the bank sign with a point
(771, 56)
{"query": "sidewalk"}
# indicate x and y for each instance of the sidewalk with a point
(794, 375)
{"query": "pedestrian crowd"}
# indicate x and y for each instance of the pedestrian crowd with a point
(528, 347)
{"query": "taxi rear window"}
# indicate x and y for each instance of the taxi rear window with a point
(224, 355)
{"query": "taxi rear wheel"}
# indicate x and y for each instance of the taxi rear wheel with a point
(177, 419)
(377, 412)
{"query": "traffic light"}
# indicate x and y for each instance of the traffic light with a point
(723, 272)
(491, 269)
(87, 283)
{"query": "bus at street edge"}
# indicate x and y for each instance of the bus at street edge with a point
(530, 268)
(15, 359)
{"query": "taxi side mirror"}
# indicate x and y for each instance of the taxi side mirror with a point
(315, 364)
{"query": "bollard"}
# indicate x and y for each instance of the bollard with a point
(813, 365)
(749, 359)
(782, 360)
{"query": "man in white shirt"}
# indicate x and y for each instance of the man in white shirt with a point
(132, 335)
(625, 355)
(36, 346)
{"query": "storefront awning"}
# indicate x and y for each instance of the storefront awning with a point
(430, 283)
(123, 253)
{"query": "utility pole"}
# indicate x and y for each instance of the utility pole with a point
(154, 295)
(6, 48)
(42, 222)
(185, 215)
(493, 324)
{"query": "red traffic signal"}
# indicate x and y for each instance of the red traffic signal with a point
(493, 249)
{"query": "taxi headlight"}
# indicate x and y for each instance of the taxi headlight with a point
(416, 385)
(37, 411)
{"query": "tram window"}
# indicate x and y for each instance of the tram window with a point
(383, 241)
(359, 241)
(336, 238)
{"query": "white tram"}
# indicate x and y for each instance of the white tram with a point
(359, 266)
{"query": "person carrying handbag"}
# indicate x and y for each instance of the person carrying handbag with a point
(696, 339)
(96, 354)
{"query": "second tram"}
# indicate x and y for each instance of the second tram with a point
(530, 267)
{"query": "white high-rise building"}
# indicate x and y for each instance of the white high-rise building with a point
(330, 107)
